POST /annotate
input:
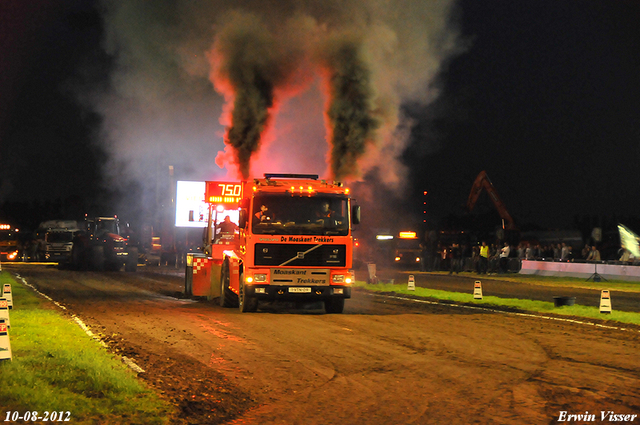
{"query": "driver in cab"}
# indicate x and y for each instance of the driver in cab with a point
(262, 216)
(326, 212)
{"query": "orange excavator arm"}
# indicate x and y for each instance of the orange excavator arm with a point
(483, 182)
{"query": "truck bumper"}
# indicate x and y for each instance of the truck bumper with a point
(57, 256)
(292, 293)
(9, 256)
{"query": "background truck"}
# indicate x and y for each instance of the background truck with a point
(294, 242)
(9, 243)
(407, 250)
(102, 245)
(57, 240)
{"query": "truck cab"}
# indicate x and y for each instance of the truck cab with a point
(9, 243)
(407, 252)
(101, 246)
(294, 243)
(58, 244)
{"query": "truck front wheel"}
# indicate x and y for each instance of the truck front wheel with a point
(132, 260)
(246, 303)
(77, 258)
(97, 258)
(227, 297)
(334, 305)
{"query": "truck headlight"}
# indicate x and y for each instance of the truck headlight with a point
(260, 277)
(340, 278)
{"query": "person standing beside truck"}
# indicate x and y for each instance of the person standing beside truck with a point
(227, 227)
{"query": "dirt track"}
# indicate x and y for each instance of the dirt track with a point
(384, 361)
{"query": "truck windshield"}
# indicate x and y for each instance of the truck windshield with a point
(59, 237)
(408, 244)
(109, 226)
(300, 215)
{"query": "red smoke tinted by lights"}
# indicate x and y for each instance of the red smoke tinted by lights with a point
(326, 91)
(293, 143)
(223, 86)
(226, 159)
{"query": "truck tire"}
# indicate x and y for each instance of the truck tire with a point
(334, 305)
(74, 261)
(246, 303)
(97, 258)
(227, 297)
(132, 261)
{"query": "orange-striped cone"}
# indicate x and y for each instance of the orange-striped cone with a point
(5, 345)
(7, 295)
(411, 285)
(605, 301)
(4, 311)
(477, 290)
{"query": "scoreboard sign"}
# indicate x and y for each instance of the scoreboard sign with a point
(227, 194)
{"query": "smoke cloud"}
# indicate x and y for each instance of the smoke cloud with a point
(248, 65)
(237, 84)
(351, 118)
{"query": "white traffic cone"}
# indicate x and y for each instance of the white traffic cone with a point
(605, 301)
(411, 286)
(477, 290)
(5, 345)
(7, 295)
(4, 311)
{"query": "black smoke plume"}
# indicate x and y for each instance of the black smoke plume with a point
(351, 115)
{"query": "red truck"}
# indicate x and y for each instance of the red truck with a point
(102, 245)
(294, 242)
(9, 243)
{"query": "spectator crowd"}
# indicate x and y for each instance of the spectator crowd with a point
(491, 258)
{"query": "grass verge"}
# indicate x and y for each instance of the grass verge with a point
(569, 282)
(57, 367)
(523, 305)
(555, 281)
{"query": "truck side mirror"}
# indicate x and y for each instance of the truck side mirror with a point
(242, 218)
(355, 214)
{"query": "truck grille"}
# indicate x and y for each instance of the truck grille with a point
(294, 255)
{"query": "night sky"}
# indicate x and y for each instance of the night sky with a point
(547, 101)
(543, 95)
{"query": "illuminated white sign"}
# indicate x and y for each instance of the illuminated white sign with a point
(191, 210)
